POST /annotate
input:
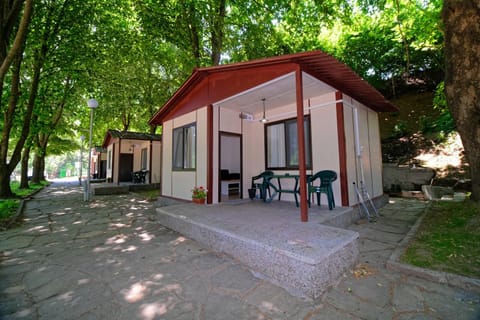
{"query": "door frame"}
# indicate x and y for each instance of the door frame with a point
(219, 182)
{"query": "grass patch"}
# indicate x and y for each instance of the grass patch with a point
(32, 187)
(448, 239)
(149, 195)
(8, 207)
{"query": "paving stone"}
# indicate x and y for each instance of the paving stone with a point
(352, 304)
(17, 242)
(234, 277)
(330, 313)
(407, 298)
(418, 316)
(374, 288)
(196, 289)
(74, 301)
(277, 303)
(109, 259)
(219, 307)
(11, 303)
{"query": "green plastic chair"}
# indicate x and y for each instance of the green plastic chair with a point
(260, 182)
(325, 178)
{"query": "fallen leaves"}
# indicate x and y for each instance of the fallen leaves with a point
(362, 270)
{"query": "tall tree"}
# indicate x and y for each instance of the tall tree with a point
(462, 80)
(15, 19)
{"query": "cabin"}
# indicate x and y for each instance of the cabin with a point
(294, 115)
(132, 157)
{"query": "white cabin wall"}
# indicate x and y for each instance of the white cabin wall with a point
(167, 132)
(371, 157)
(325, 152)
(375, 153)
(109, 173)
(179, 184)
(155, 166)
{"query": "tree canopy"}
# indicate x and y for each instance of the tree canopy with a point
(132, 55)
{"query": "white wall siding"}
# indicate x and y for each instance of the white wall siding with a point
(179, 184)
(253, 152)
(371, 157)
(202, 149)
(325, 152)
(230, 121)
(375, 153)
(167, 158)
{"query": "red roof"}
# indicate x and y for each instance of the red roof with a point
(130, 135)
(211, 84)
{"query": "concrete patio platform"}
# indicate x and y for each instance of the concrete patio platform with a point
(304, 258)
(106, 188)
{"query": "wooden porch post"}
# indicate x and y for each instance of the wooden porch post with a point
(210, 153)
(119, 150)
(150, 163)
(342, 148)
(301, 146)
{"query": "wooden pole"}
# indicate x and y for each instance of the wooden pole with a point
(302, 168)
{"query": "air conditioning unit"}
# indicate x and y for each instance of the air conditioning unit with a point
(246, 116)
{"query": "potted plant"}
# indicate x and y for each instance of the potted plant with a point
(199, 194)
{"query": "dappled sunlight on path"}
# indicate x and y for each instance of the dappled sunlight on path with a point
(110, 259)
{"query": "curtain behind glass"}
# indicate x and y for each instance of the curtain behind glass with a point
(190, 146)
(276, 146)
(282, 144)
(178, 148)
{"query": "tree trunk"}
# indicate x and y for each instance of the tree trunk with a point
(462, 78)
(5, 190)
(217, 31)
(6, 167)
(38, 167)
(24, 169)
(8, 59)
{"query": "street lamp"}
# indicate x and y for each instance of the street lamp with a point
(82, 138)
(92, 104)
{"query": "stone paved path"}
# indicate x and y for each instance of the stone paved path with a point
(109, 259)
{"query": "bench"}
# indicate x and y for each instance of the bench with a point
(139, 176)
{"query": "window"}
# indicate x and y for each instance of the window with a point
(109, 159)
(144, 159)
(184, 147)
(282, 144)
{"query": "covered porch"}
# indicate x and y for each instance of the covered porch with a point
(294, 115)
(303, 258)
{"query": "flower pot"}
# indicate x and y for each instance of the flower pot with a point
(251, 193)
(198, 200)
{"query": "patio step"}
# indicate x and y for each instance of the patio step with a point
(304, 258)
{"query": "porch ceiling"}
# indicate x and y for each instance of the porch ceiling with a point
(278, 92)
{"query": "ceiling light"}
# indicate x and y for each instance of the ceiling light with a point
(264, 119)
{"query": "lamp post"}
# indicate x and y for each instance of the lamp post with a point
(92, 104)
(82, 138)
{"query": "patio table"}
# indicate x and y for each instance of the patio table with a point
(278, 189)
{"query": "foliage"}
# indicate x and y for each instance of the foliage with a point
(448, 239)
(8, 207)
(32, 188)
(149, 195)
(132, 55)
(444, 123)
(199, 193)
